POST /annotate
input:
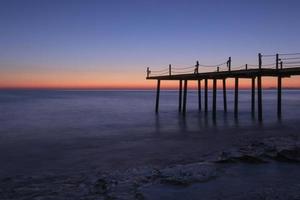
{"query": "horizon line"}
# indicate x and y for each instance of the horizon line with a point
(130, 88)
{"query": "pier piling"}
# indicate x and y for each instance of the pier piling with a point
(214, 107)
(199, 95)
(253, 97)
(236, 97)
(206, 95)
(259, 92)
(224, 95)
(279, 79)
(184, 96)
(157, 95)
(180, 96)
(259, 98)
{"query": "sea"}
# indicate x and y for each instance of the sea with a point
(48, 130)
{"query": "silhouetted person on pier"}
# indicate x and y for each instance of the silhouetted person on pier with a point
(148, 72)
(196, 71)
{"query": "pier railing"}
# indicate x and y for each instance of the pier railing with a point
(265, 61)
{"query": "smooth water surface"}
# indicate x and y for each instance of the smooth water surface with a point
(47, 130)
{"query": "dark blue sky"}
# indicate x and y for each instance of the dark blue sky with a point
(106, 37)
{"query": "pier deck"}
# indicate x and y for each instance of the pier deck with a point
(249, 73)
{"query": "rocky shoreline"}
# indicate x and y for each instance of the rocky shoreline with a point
(129, 184)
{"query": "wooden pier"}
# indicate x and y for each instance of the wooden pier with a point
(284, 66)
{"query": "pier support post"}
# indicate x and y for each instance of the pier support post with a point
(224, 95)
(279, 79)
(180, 96)
(259, 92)
(184, 96)
(253, 97)
(157, 96)
(199, 95)
(259, 100)
(214, 106)
(236, 97)
(206, 95)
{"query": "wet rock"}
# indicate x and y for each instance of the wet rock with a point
(282, 149)
(101, 186)
(250, 159)
(226, 157)
(292, 155)
(187, 174)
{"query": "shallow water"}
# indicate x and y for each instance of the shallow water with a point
(47, 130)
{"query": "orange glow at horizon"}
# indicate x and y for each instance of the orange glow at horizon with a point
(113, 80)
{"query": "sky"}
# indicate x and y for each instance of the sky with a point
(96, 44)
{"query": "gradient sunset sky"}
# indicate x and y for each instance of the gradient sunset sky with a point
(109, 44)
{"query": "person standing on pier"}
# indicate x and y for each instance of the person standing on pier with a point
(196, 71)
(148, 72)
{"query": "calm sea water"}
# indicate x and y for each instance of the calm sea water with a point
(113, 112)
(37, 127)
